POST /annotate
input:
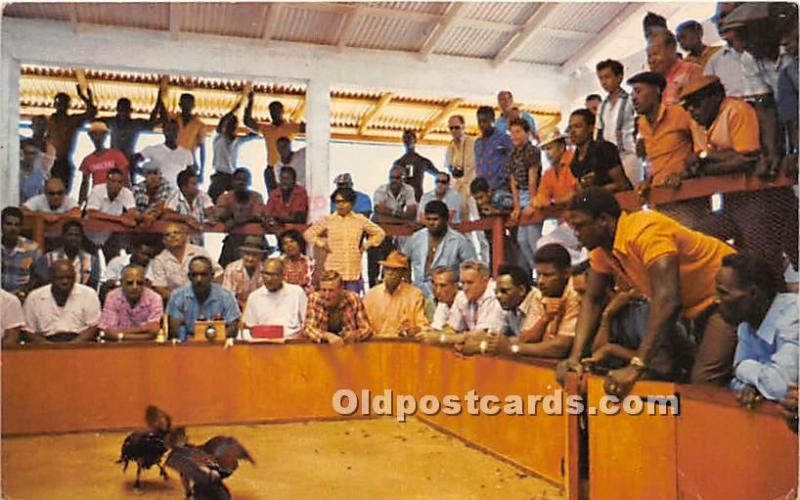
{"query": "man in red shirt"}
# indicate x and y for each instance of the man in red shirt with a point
(288, 204)
(101, 161)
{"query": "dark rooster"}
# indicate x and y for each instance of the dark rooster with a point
(203, 468)
(147, 447)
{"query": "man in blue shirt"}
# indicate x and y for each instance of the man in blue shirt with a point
(436, 245)
(766, 355)
(201, 300)
(491, 151)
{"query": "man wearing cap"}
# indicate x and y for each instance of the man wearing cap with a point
(662, 57)
(690, 38)
(97, 165)
(558, 184)
(276, 304)
(669, 135)
(436, 245)
(363, 203)
(732, 145)
(395, 308)
(671, 265)
(151, 194)
(244, 275)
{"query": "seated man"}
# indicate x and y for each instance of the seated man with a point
(169, 269)
(445, 288)
(767, 326)
(202, 300)
(190, 205)
(236, 208)
(151, 194)
(475, 309)
(111, 201)
(395, 308)
(243, 276)
(447, 195)
(288, 204)
(669, 264)
(12, 319)
(19, 255)
(64, 311)
(276, 304)
(436, 245)
(132, 312)
(87, 265)
(142, 252)
(336, 315)
(53, 204)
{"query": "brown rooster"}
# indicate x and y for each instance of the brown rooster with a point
(147, 447)
(203, 468)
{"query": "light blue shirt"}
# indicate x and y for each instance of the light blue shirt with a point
(502, 123)
(451, 198)
(767, 358)
(454, 249)
(183, 305)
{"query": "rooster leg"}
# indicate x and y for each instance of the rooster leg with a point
(136, 483)
(187, 486)
(163, 472)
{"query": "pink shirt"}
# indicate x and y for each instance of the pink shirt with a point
(118, 313)
(678, 75)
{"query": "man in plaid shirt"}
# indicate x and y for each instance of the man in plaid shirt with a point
(336, 315)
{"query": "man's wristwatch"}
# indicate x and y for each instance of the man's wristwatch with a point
(514, 348)
(637, 362)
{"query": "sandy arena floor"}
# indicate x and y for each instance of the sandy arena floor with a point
(377, 458)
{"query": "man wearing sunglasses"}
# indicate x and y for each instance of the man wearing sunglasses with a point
(132, 312)
(460, 158)
(53, 204)
(446, 195)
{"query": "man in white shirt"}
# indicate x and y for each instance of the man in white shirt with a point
(475, 310)
(726, 64)
(64, 311)
(444, 193)
(53, 204)
(288, 158)
(11, 318)
(170, 158)
(616, 118)
(111, 202)
(445, 288)
(276, 303)
(169, 269)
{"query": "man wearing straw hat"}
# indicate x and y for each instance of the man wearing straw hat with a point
(395, 308)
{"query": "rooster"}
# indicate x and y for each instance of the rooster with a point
(147, 447)
(203, 468)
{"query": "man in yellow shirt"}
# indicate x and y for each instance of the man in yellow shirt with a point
(674, 267)
(395, 308)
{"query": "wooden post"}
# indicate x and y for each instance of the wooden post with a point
(498, 240)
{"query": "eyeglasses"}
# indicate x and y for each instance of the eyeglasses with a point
(130, 283)
(455, 127)
(395, 177)
(442, 181)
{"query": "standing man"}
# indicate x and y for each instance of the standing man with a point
(395, 308)
(279, 127)
(98, 164)
(491, 151)
(446, 195)
(201, 300)
(277, 303)
(170, 157)
(662, 57)
(460, 159)
(19, 255)
(436, 245)
(669, 264)
(616, 120)
(62, 130)
(31, 171)
(505, 101)
(133, 311)
(595, 163)
(86, 265)
(690, 38)
(726, 63)
(191, 131)
(125, 130)
(416, 165)
(394, 204)
(593, 102)
(225, 144)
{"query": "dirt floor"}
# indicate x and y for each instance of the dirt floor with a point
(377, 458)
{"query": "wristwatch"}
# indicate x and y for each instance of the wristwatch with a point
(483, 346)
(637, 362)
(514, 348)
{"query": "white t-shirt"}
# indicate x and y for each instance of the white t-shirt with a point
(113, 270)
(171, 162)
(286, 308)
(298, 163)
(11, 315)
(99, 200)
(39, 204)
(44, 316)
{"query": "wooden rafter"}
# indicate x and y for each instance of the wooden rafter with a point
(382, 102)
(174, 21)
(349, 23)
(441, 29)
(441, 116)
(536, 20)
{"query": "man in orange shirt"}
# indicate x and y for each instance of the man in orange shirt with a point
(191, 129)
(662, 57)
(558, 184)
(669, 135)
(273, 131)
(669, 264)
(764, 221)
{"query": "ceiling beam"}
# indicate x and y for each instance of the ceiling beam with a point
(533, 23)
(174, 21)
(441, 29)
(349, 23)
(587, 53)
(382, 102)
(72, 12)
(444, 113)
(583, 36)
(271, 21)
(299, 111)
